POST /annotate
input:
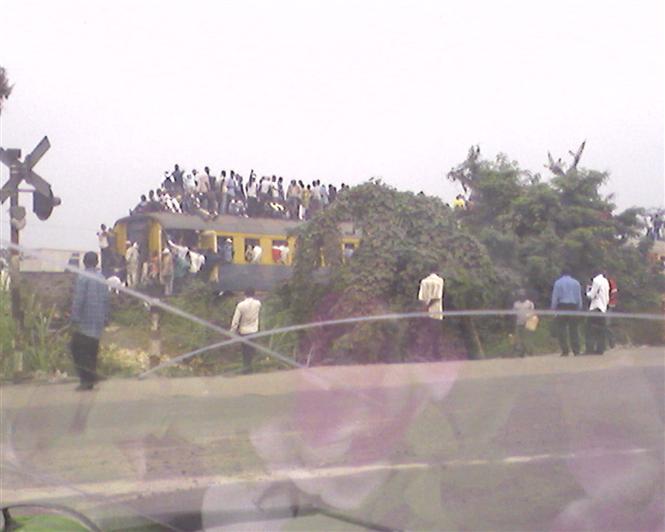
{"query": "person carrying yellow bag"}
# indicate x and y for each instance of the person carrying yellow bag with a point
(526, 321)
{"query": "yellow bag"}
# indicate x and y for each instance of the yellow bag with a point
(531, 323)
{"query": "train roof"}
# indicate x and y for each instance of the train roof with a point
(227, 223)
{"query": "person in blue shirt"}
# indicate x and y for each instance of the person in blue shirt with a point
(89, 313)
(567, 295)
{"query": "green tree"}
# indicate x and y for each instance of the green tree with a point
(534, 228)
(404, 238)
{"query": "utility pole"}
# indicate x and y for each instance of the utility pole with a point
(43, 203)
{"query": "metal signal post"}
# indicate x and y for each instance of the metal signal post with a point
(43, 203)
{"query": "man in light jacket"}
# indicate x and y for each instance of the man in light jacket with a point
(246, 321)
(430, 294)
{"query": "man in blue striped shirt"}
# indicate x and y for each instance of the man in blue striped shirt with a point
(567, 295)
(89, 312)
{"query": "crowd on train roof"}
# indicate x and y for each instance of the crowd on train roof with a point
(208, 195)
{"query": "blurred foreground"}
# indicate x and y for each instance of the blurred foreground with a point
(537, 443)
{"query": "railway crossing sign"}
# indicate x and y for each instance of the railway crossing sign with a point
(43, 198)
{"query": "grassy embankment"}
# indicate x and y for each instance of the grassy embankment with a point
(126, 341)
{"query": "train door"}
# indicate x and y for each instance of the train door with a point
(208, 241)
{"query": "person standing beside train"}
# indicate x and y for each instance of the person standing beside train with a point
(103, 236)
(167, 272)
(132, 265)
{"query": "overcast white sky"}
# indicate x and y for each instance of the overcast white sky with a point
(337, 91)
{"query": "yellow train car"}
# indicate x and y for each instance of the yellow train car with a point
(153, 231)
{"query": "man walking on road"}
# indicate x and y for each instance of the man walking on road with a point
(246, 321)
(89, 312)
(567, 295)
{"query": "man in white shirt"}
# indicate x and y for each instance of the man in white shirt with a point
(246, 321)
(431, 294)
(256, 254)
(190, 184)
(599, 296)
(132, 259)
(105, 250)
(197, 261)
(265, 188)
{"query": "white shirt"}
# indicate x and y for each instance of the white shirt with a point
(197, 261)
(431, 291)
(284, 254)
(103, 239)
(246, 316)
(190, 183)
(266, 186)
(251, 189)
(524, 308)
(132, 256)
(599, 293)
(256, 254)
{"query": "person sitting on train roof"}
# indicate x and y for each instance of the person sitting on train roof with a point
(237, 208)
(154, 204)
(141, 206)
(169, 202)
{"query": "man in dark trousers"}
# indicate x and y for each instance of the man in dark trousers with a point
(246, 321)
(567, 295)
(89, 312)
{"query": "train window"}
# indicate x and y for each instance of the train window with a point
(225, 248)
(280, 251)
(183, 237)
(253, 251)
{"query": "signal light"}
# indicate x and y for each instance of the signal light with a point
(43, 205)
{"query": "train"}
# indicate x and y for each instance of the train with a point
(153, 231)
